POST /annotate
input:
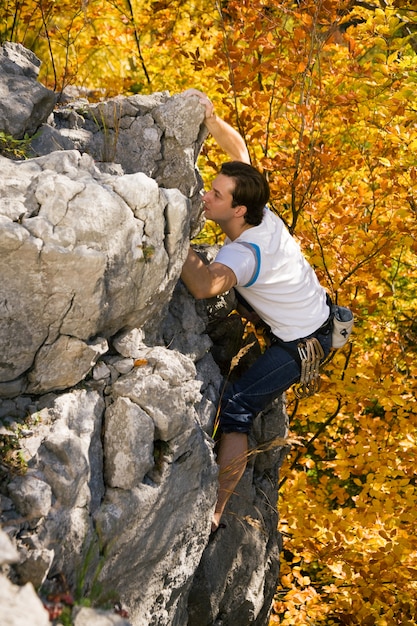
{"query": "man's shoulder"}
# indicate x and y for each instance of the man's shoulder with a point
(270, 217)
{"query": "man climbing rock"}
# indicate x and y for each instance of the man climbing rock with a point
(265, 266)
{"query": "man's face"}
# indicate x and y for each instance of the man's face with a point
(218, 201)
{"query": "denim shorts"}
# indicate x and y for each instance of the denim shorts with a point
(276, 370)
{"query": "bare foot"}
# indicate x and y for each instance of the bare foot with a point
(216, 524)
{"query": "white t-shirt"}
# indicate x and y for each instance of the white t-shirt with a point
(275, 279)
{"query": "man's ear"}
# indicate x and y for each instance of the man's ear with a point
(241, 210)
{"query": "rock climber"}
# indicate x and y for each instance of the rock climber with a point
(264, 264)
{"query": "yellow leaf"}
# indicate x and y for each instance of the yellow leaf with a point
(384, 161)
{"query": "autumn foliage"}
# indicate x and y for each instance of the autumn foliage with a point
(325, 94)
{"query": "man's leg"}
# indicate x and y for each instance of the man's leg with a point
(269, 376)
(232, 459)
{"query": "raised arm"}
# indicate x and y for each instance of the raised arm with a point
(225, 136)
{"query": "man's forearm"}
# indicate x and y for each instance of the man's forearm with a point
(193, 273)
(227, 138)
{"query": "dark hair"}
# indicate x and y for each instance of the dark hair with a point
(251, 189)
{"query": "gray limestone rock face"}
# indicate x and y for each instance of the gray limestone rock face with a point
(90, 617)
(159, 135)
(82, 257)
(109, 384)
(236, 579)
(19, 604)
(24, 103)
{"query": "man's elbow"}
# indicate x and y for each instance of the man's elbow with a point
(244, 156)
(200, 293)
